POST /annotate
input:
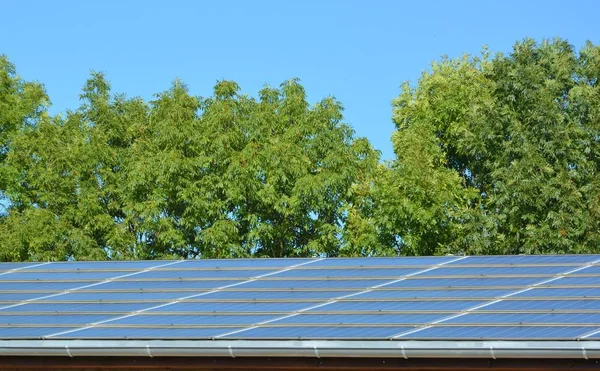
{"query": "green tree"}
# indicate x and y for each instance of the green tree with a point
(499, 154)
(21, 105)
(233, 176)
(66, 181)
(182, 176)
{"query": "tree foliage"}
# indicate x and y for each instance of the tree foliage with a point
(495, 154)
(182, 176)
(500, 154)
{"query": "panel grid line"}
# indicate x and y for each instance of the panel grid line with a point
(178, 300)
(335, 300)
(23, 302)
(501, 298)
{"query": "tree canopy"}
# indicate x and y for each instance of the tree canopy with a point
(496, 154)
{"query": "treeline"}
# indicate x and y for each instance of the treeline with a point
(497, 154)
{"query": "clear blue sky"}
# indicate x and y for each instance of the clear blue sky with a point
(357, 51)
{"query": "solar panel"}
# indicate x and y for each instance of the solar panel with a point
(7, 267)
(143, 333)
(318, 332)
(520, 319)
(154, 319)
(447, 297)
(500, 333)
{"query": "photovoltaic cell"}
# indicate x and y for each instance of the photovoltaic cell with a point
(546, 305)
(40, 286)
(128, 265)
(117, 296)
(5, 267)
(528, 259)
(222, 307)
(384, 306)
(379, 319)
(375, 262)
(418, 282)
(594, 269)
(17, 296)
(70, 320)
(326, 332)
(574, 281)
(196, 274)
(489, 271)
(144, 333)
(594, 336)
(274, 295)
(440, 294)
(314, 284)
(29, 332)
(164, 285)
(77, 307)
(148, 319)
(243, 263)
(573, 292)
(500, 333)
(61, 276)
(360, 272)
(528, 318)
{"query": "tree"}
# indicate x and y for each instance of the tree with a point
(21, 105)
(499, 155)
(232, 176)
(66, 181)
(182, 176)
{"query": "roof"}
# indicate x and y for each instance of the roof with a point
(445, 306)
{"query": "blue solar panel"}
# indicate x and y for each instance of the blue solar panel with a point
(377, 262)
(417, 282)
(165, 285)
(440, 294)
(144, 333)
(243, 263)
(381, 319)
(574, 292)
(124, 265)
(40, 286)
(529, 305)
(501, 297)
(194, 274)
(314, 284)
(29, 332)
(223, 307)
(274, 295)
(196, 319)
(574, 281)
(77, 307)
(135, 296)
(71, 319)
(488, 271)
(416, 305)
(323, 332)
(360, 272)
(53, 276)
(500, 332)
(594, 269)
(528, 318)
(593, 334)
(528, 259)
(5, 267)
(18, 296)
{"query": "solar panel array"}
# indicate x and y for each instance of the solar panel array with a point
(443, 298)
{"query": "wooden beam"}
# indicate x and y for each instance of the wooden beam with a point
(34, 363)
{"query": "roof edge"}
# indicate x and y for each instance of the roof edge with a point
(303, 348)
